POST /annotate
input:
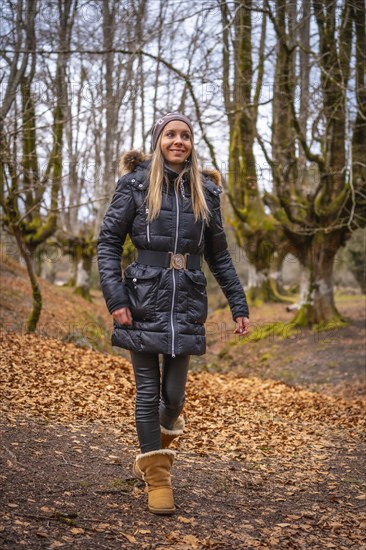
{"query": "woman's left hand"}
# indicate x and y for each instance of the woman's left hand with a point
(242, 326)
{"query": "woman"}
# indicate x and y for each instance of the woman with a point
(172, 212)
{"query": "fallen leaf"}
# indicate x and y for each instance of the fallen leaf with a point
(192, 540)
(77, 530)
(130, 538)
(56, 544)
(186, 520)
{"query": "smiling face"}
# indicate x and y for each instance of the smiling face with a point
(176, 144)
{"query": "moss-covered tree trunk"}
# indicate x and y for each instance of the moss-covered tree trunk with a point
(317, 306)
(359, 133)
(84, 268)
(86, 251)
(35, 314)
(317, 218)
(72, 276)
(262, 287)
(81, 250)
(275, 274)
(23, 193)
(255, 231)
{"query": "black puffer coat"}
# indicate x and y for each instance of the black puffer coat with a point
(169, 307)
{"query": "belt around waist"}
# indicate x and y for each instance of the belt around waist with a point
(169, 260)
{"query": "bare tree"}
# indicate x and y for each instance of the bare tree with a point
(23, 187)
(359, 130)
(258, 232)
(317, 220)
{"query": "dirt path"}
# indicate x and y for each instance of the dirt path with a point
(71, 487)
(262, 464)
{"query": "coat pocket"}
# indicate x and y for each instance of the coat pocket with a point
(142, 289)
(197, 296)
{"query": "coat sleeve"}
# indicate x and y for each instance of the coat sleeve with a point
(116, 225)
(219, 261)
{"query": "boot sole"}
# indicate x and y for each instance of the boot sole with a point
(162, 511)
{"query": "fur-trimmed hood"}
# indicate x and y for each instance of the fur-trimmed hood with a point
(133, 158)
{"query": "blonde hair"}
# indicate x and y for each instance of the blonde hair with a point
(157, 178)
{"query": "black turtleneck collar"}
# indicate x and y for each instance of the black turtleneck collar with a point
(172, 174)
(170, 171)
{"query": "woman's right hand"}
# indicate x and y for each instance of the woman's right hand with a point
(123, 316)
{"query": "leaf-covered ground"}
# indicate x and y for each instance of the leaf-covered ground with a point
(273, 455)
(262, 464)
(331, 362)
(64, 315)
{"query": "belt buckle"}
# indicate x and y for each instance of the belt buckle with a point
(178, 261)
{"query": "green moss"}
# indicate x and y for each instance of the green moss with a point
(279, 329)
(122, 483)
(81, 291)
(268, 224)
(224, 354)
(329, 208)
(330, 325)
(266, 292)
(301, 319)
(34, 225)
(38, 230)
(85, 484)
(281, 217)
(305, 318)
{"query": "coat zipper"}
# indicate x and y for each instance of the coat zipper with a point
(173, 275)
(147, 227)
(203, 225)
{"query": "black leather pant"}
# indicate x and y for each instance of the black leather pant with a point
(158, 403)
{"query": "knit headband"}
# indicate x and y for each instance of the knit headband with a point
(159, 125)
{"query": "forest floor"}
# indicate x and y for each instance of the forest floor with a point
(274, 450)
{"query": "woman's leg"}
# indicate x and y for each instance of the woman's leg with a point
(147, 376)
(174, 378)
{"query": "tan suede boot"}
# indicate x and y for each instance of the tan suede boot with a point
(167, 436)
(137, 472)
(155, 467)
